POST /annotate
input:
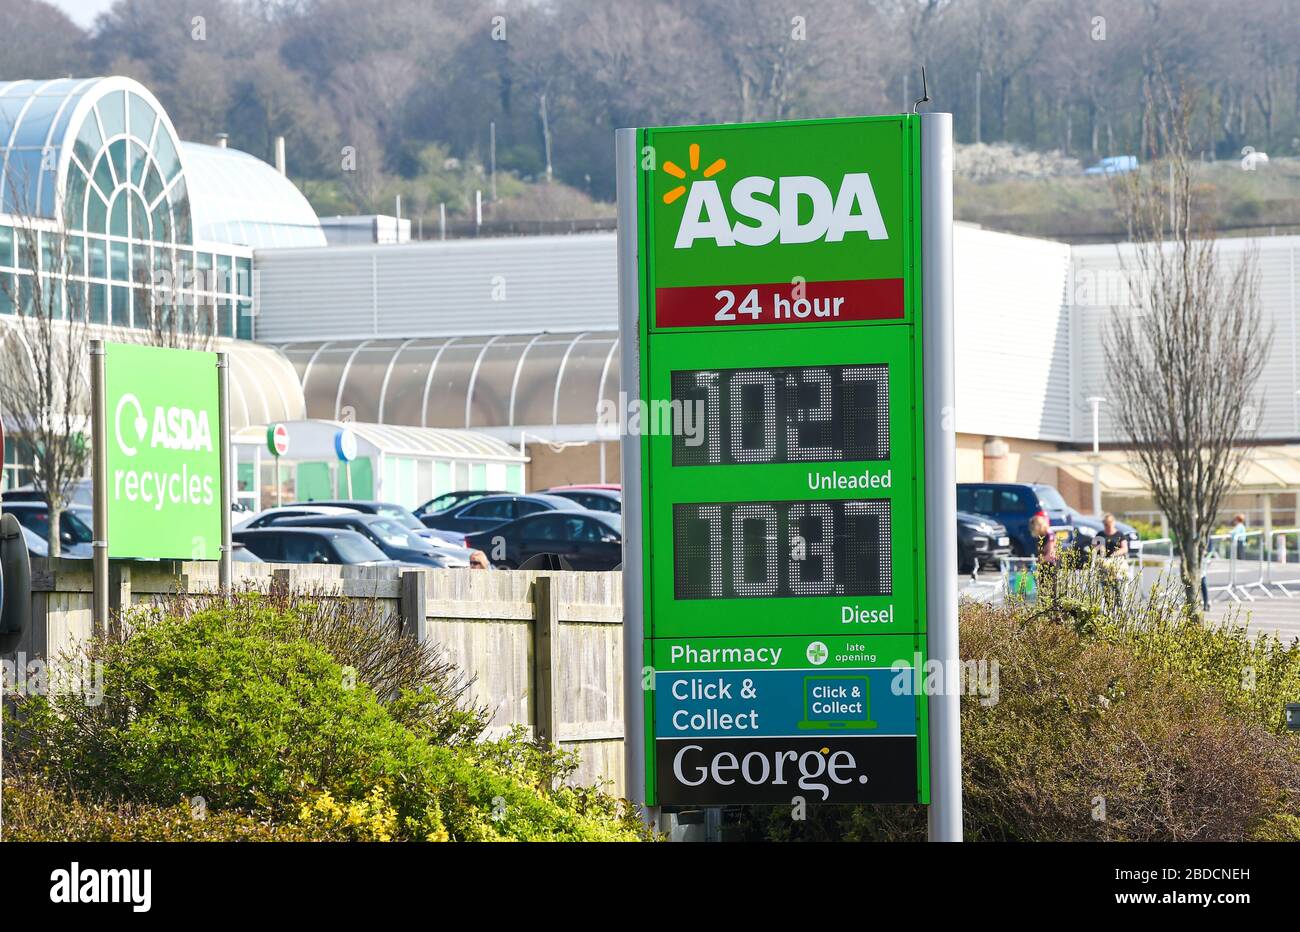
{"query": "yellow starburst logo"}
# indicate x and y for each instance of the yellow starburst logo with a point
(678, 172)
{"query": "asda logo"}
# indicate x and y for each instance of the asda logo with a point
(172, 428)
(761, 210)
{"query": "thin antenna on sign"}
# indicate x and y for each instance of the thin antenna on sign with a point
(925, 92)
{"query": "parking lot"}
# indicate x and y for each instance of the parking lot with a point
(1263, 609)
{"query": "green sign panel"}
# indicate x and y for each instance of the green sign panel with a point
(782, 507)
(164, 468)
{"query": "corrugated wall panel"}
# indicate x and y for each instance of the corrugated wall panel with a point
(1013, 354)
(1099, 285)
(509, 285)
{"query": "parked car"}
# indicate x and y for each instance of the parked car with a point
(454, 546)
(451, 500)
(398, 513)
(495, 510)
(980, 541)
(75, 536)
(269, 516)
(1113, 165)
(607, 486)
(81, 493)
(395, 541)
(86, 513)
(311, 545)
(593, 499)
(439, 536)
(36, 546)
(241, 554)
(588, 540)
(1012, 504)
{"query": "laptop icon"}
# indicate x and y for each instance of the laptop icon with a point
(836, 703)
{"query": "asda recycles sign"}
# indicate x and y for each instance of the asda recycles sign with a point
(164, 466)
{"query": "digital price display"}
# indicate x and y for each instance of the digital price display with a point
(762, 550)
(793, 414)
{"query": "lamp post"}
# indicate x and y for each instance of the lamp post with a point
(1096, 401)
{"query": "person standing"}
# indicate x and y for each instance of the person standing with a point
(1046, 551)
(1111, 541)
(1112, 545)
(1205, 574)
(1045, 545)
(1237, 535)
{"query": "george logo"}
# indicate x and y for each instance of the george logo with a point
(762, 209)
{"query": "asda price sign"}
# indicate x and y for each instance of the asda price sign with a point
(164, 468)
(778, 534)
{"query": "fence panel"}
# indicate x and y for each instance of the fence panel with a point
(485, 622)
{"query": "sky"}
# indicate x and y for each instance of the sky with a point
(82, 12)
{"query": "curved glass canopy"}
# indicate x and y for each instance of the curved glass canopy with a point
(105, 145)
(521, 381)
(237, 198)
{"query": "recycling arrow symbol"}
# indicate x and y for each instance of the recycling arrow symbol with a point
(141, 423)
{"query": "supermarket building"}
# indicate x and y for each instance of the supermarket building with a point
(484, 361)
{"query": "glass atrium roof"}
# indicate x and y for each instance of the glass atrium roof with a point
(98, 148)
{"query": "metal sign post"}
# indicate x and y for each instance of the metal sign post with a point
(99, 487)
(15, 608)
(938, 354)
(788, 464)
(226, 568)
(636, 662)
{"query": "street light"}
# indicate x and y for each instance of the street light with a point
(1096, 401)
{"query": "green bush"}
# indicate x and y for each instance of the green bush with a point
(1093, 738)
(1115, 719)
(35, 810)
(237, 706)
(1255, 676)
(1146, 530)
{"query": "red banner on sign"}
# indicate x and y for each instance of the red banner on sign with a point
(783, 303)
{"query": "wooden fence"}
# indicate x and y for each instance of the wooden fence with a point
(544, 648)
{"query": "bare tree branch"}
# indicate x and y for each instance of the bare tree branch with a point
(44, 392)
(1188, 352)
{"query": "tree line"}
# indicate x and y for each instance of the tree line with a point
(420, 97)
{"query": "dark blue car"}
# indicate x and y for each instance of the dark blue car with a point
(1012, 504)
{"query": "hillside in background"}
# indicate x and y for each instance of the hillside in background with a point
(385, 98)
(1045, 194)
